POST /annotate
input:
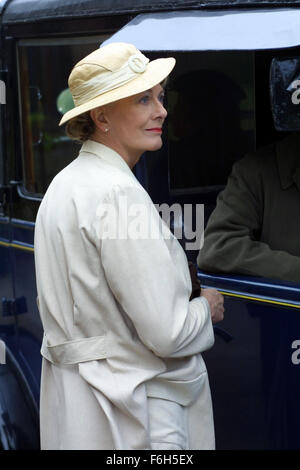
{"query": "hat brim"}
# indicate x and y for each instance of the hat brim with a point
(157, 70)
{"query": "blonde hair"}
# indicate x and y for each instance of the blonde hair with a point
(80, 127)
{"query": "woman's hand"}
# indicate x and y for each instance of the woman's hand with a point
(216, 303)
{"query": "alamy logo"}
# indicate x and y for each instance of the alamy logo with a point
(296, 354)
(2, 92)
(141, 221)
(295, 95)
(2, 352)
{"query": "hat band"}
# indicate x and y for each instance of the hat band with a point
(107, 81)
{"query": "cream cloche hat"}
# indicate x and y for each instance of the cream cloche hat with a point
(113, 72)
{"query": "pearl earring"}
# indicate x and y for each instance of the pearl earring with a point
(106, 130)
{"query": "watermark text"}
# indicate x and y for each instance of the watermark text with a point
(296, 354)
(128, 220)
(2, 352)
(2, 92)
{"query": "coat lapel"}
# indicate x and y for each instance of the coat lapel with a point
(107, 154)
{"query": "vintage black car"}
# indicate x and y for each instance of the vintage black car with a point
(218, 96)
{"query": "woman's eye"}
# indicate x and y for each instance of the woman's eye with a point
(144, 99)
(162, 98)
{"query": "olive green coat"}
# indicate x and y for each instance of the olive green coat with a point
(255, 227)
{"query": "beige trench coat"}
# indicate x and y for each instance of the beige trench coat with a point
(118, 323)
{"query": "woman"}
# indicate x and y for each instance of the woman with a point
(122, 367)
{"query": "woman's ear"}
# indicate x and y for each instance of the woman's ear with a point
(99, 119)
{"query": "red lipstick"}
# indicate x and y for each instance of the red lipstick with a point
(158, 130)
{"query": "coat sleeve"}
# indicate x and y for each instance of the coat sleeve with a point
(231, 238)
(148, 273)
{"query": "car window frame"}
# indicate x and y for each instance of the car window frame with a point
(72, 40)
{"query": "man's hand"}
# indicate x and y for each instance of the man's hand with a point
(216, 303)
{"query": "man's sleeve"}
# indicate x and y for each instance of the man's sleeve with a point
(136, 250)
(231, 239)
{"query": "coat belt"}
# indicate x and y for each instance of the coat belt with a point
(75, 351)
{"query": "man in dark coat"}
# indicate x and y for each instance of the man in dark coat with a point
(255, 227)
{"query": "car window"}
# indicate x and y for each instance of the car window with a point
(44, 67)
(211, 103)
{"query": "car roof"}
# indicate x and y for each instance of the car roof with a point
(2, 5)
(27, 11)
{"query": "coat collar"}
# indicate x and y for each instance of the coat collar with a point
(288, 161)
(107, 154)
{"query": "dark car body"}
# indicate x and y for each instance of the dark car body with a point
(253, 367)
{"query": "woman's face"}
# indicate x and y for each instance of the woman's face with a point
(135, 123)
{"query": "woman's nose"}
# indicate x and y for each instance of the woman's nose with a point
(161, 110)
